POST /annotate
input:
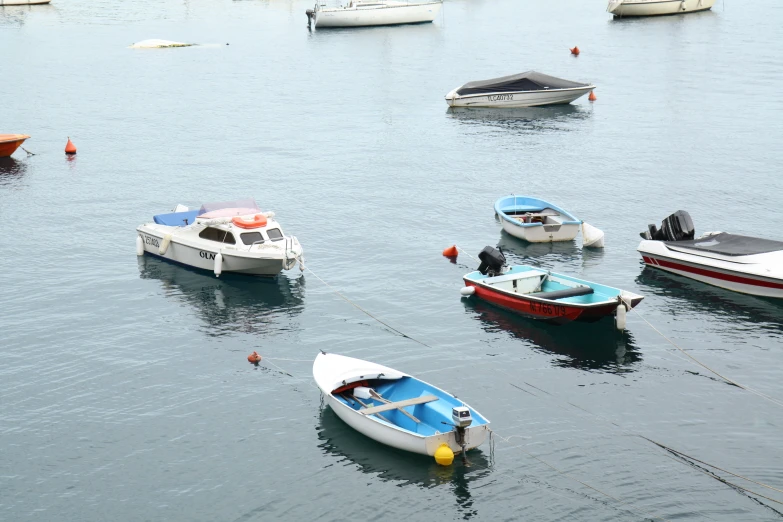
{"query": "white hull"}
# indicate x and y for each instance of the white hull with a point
(760, 274)
(23, 2)
(518, 99)
(401, 439)
(379, 14)
(202, 255)
(542, 233)
(657, 7)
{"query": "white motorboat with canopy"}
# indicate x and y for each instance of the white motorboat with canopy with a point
(362, 13)
(227, 236)
(396, 409)
(750, 265)
(527, 89)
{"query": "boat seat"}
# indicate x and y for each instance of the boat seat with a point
(562, 294)
(511, 277)
(176, 219)
(399, 404)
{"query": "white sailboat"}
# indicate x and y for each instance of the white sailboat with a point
(362, 13)
(621, 8)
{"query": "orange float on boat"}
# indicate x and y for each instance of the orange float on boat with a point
(258, 221)
(10, 142)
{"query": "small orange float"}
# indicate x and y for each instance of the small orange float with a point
(451, 251)
(258, 221)
(70, 148)
(592, 96)
(575, 50)
(254, 358)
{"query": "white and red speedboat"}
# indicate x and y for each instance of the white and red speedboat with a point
(745, 264)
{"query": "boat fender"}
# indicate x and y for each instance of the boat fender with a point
(620, 316)
(164, 245)
(218, 264)
(139, 246)
(467, 291)
(682, 6)
(443, 455)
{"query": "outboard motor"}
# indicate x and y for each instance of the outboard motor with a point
(677, 227)
(492, 261)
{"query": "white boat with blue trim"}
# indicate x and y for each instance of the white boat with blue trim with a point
(227, 236)
(538, 221)
(364, 13)
(623, 8)
(396, 409)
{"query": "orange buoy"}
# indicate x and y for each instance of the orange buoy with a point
(592, 96)
(575, 51)
(451, 251)
(70, 148)
(254, 358)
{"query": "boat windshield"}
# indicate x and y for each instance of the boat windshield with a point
(236, 207)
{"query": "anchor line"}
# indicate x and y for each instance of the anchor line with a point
(774, 400)
(683, 457)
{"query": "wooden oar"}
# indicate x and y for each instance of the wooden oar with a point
(379, 397)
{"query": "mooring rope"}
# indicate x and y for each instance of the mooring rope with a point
(778, 402)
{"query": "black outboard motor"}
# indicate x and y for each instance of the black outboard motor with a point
(677, 227)
(492, 261)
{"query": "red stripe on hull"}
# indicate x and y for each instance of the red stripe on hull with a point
(652, 261)
(548, 311)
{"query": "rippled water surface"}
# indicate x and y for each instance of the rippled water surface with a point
(125, 393)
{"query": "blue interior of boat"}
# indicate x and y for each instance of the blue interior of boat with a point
(600, 292)
(515, 205)
(431, 414)
(176, 219)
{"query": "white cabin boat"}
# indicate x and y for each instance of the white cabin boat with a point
(229, 236)
(527, 89)
(396, 409)
(749, 265)
(362, 13)
(623, 8)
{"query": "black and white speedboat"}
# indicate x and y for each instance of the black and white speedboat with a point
(745, 264)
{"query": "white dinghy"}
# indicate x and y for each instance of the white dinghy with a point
(527, 89)
(620, 8)
(396, 409)
(228, 236)
(362, 13)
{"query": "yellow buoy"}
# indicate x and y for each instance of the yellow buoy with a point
(443, 455)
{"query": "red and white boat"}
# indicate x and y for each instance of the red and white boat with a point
(745, 264)
(10, 142)
(542, 294)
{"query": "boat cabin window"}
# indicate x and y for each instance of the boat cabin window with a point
(274, 234)
(215, 234)
(249, 238)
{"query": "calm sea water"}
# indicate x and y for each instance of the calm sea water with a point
(125, 393)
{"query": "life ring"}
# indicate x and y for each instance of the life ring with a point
(258, 221)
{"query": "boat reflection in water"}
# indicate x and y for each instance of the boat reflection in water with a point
(523, 120)
(586, 346)
(408, 469)
(685, 296)
(231, 303)
(11, 170)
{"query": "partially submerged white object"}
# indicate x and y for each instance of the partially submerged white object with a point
(159, 44)
(592, 237)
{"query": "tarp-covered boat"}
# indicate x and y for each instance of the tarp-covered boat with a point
(226, 236)
(542, 294)
(396, 409)
(527, 89)
(746, 264)
(23, 2)
(10, 142)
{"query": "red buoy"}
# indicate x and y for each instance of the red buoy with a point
(254, 358)
(70, 148)
(451, 251)
(575, 51)
(592, 96)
